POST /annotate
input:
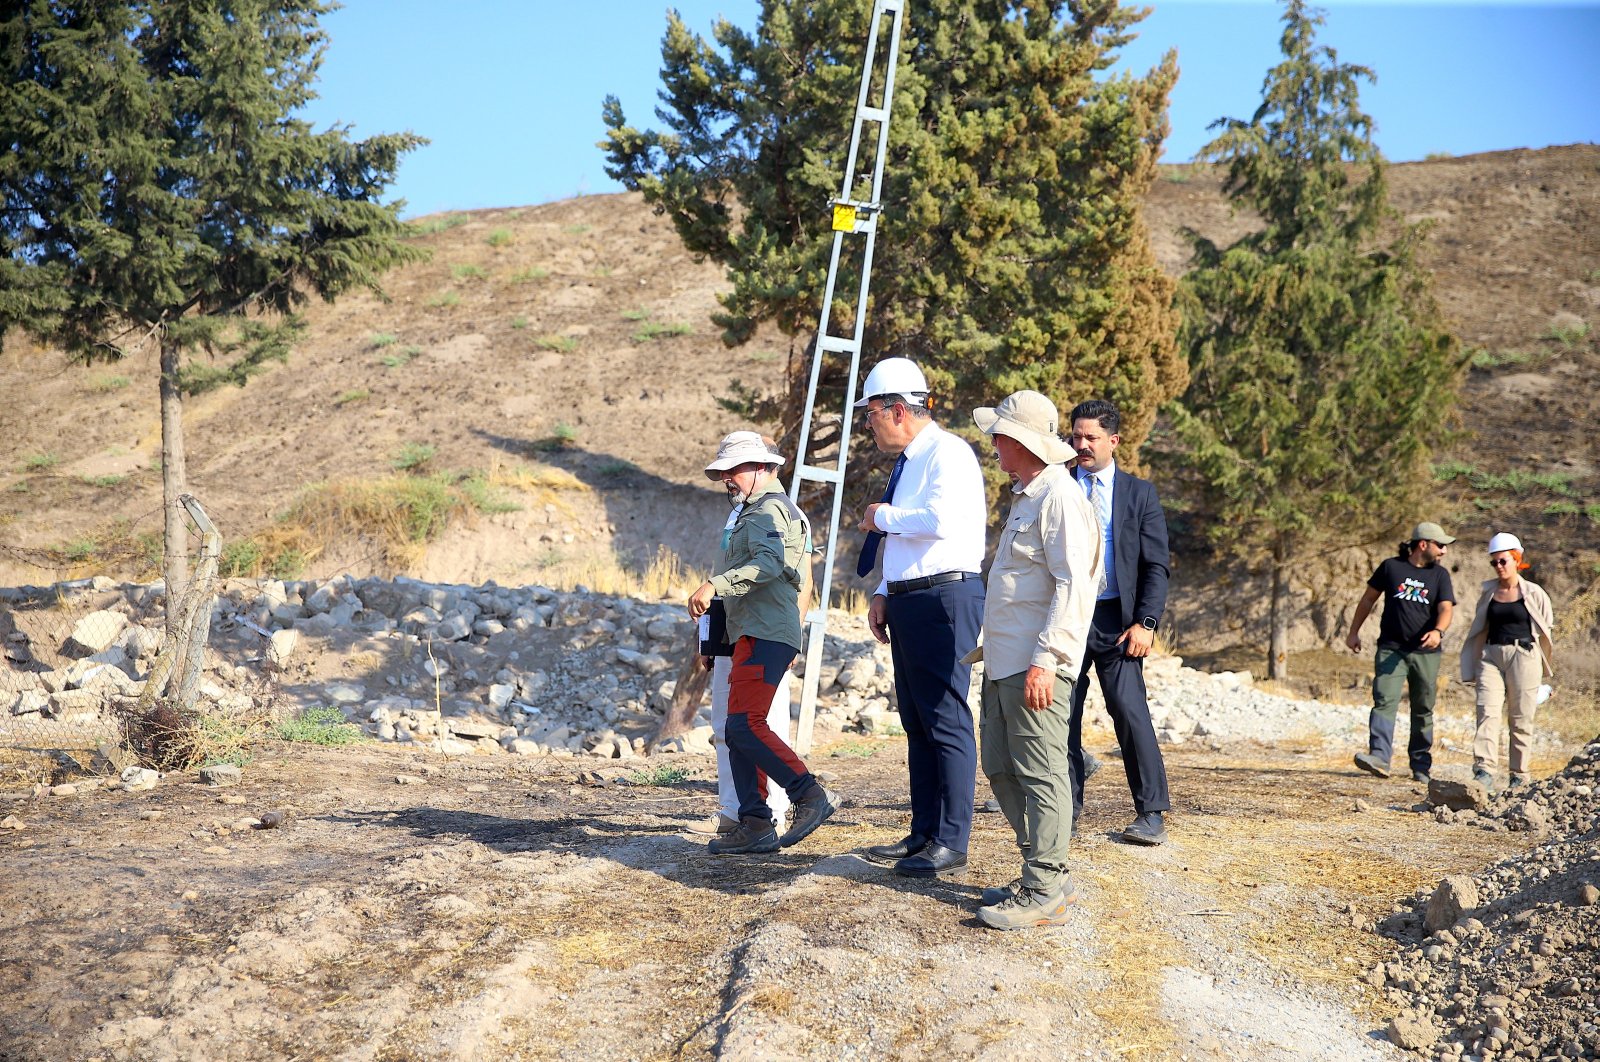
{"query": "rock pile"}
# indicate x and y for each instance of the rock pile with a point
(1507, 964)
(527, 670)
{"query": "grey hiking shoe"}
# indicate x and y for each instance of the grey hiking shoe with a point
(752, 835)
(1518, 780)
(1025, 908)
(1421, 776)
(1371, 764)
(808, 814)
(1484, 778)
(999, 893)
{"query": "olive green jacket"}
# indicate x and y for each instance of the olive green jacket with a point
(764, 568)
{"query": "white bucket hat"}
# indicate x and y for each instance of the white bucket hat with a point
(894, 376)
(1030, 418)
(1504, 540)
(738, 448)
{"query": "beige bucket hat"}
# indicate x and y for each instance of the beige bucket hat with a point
(1030, 418)
(740, 447)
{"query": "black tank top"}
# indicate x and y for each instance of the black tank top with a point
(1509, 622)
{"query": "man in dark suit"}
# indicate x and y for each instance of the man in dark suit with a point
(1127, 611)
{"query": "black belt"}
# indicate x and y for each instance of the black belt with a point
(905, 586)
(1520, 643)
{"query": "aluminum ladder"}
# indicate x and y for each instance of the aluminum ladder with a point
(851, 217)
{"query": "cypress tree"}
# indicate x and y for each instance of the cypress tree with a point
(1321, 375)
(157, 188)
(1012, 249)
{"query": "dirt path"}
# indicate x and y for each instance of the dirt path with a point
(504, 909)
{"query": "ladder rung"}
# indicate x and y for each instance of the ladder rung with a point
(837, 344)
(819, 475)
(874, 114)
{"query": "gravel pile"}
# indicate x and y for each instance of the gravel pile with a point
(1507, 964)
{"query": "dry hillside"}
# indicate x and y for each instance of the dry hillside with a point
(575, 338)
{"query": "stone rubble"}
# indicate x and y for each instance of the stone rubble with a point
(1506, 964)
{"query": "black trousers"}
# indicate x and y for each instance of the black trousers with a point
(1122, 682)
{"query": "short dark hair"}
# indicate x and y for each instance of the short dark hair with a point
(1098, 409)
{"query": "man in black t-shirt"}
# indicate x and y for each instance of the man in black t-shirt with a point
(1417, 605)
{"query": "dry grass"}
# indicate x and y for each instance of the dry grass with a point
(664, 577)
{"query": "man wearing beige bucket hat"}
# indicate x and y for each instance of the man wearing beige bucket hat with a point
(763, 569)
(1036, 617)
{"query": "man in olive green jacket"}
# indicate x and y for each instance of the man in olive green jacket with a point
(762, 573)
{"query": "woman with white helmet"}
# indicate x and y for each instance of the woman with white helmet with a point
(1507, 655)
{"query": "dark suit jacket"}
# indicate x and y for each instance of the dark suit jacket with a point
(1139, 537)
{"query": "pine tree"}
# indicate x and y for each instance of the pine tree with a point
(1321, 376)
(157, 188)
(1012, 249)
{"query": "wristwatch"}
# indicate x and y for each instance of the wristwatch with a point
(1149, 623)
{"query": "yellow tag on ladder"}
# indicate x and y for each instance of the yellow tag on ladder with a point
(844, 217)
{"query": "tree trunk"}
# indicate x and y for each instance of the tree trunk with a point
(1278, 649)
(174, 482)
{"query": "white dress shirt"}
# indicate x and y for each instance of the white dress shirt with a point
(936, 522)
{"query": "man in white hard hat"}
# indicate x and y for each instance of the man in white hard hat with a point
(762, 573)
(928, 605)
(1036, 616)
(1418, 602)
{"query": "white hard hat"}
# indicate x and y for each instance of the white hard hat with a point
(1504, 540)
(894, 376)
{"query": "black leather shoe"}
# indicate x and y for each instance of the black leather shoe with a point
(1147, 829)
(932, 861)
(890, 854)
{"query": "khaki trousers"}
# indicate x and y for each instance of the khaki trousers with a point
(1025, 758)
(1508, 676)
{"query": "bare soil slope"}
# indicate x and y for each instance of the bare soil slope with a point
(577, 334)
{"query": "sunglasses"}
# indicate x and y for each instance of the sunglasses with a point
(1500, 562)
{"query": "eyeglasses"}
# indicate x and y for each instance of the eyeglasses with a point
(874, 412)
(1500, 562)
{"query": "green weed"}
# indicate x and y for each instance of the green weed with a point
(563, 435)
(519, 323)
(405, 354)
(522, 276)
(106, 384)
(430, 226)
(854, 750)
(660, 776)
(636, 315)
(445, 298)
(1488, 359)
(765, 356)
(40, 461)
(1516, 481)
(1562, 508)
(661, 330)
(467, 272)
(105, 481)
(559, 344)
(319, 726)
(219, 740)
(499, 238)
(413, 456)
(483, 496)
(1592, 512)
(1569, 336)
(379, 340)
(575, 230)
(355, 395)
(616, 468)
(240, 559)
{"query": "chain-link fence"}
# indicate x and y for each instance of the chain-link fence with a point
(95, 672)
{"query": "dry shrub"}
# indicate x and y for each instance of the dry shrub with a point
(665, 576)
(400, 514)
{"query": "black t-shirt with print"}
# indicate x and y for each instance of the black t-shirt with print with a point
(1411, 599)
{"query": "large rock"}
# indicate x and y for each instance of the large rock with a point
(95, 633)
(453, 628)
(1413, 1034)
(1457, 794)
(221, 775)
(282, 647)
(1454, 897)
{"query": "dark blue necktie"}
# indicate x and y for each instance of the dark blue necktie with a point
(869, 549)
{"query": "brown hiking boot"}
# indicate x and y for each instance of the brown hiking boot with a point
(809, 813)
(753, 834)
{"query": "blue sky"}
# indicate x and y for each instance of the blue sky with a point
(509, 91)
